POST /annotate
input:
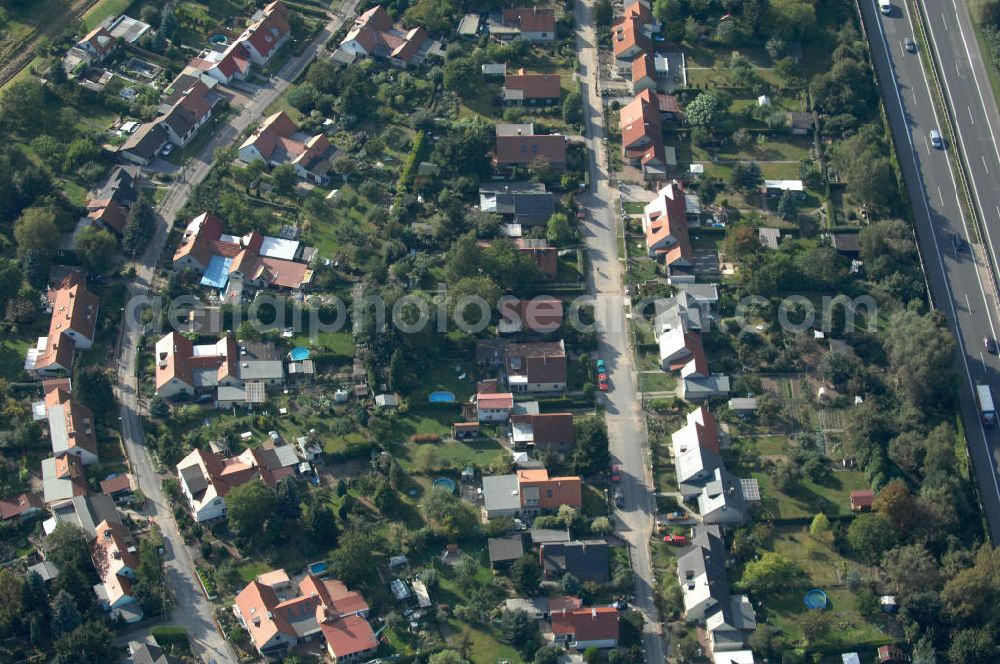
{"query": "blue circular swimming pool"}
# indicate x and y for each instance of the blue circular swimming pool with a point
(444, 483)
(441, 396)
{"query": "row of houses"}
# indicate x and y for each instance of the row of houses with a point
(641, 125)
(278, 141)
(183, 114)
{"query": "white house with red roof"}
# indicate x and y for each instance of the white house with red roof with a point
(225, 66)
(278, 141)
(98, 43)
(116, 560)
(278, 617)
(70, 423)
(588, 627)
(268, 31)
(73, 325)
(374, 35)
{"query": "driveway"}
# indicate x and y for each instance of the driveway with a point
(192, 610)
(626, 422)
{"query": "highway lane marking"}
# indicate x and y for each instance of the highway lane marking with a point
(971, 117)
(944, 21)
(937, 247)
(958, 128)
(983, 157)
(968, 303)
(941, 196)
(983, 360)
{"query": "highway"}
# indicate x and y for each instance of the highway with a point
(627, 438)
(192, 610)
(959, 281)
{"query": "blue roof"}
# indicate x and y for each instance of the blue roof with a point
(217, 273)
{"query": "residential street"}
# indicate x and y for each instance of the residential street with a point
(191, 609)
(626, 425)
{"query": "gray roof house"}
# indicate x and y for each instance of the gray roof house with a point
(721, 500)
(695, 468)
(681, 311)
(523, 203)
(701, 573)
(141, 652)
(548, 536)
(587, 560)
(730, 625)
(501, 496)
(87, 512)
(505, 550)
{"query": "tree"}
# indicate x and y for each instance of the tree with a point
(67, 547)
(462, 76)
(706, 109)
(788, 206)
(820, 525)
(285, 179)
(520, 630)
(976, 645)
(921, 353)
(448, 515)
(431, 15)
(775, 47)
(138, 230)
(871, 535)
(526, 575)
(36, 231)
(896, 504)
(769, 573)
(572, 109)
(603, 13)
(912, 568)
(815, 625)
(446, 657)
(785, 475)
(65, 616)
(570, 585)
(791, 19)
(510, 268)
(249, 507)
(159, 408)
(549, 654)
(558, 230)
(319, 522)
(92, 386)
(591, 455)
(465, 257)
(746, 177)
(766, 641)
(601, 526)
(354, 558)
(742, 138)
(96, 248)
(467, 297)
(90, 643)
(970, 595)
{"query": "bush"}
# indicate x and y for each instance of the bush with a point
(425, 438)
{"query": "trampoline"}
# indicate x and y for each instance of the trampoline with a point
(444, 483)
(441, 396)
(815, 599)
(299, 354)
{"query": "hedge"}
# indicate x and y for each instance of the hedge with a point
(409, 168)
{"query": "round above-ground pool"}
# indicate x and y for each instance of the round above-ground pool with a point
(298, 354)
(815, 599)
(218, 39)
(442, 396)
(444, 483)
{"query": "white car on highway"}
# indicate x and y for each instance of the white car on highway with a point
(936, 139)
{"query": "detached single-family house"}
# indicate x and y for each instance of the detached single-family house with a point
(110, 206)
(518, 145)
(587, 560)
(189, 114)
(642, 135)
(116, 560)
(267, 32)
(145, 143)
(279, 617)
(536, 367)
(532, 89)
(98, 44)
(73, 326)
(494, 406)
(584, 628)
(524, 203)
(528, 23)
(722, 499)
(374, 35)
(542, 431)
(229, 64)
(85, 512)
(148, 653)
(278, 141)
(70, 423)
(529, 491)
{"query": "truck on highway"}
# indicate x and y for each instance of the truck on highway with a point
(884, 7)
(986, 409)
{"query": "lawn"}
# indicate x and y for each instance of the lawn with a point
(823, 567)
(595, 503)
(808, 497)
(13, 351)
(251, 570)
(103, 10)
(658, 382)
